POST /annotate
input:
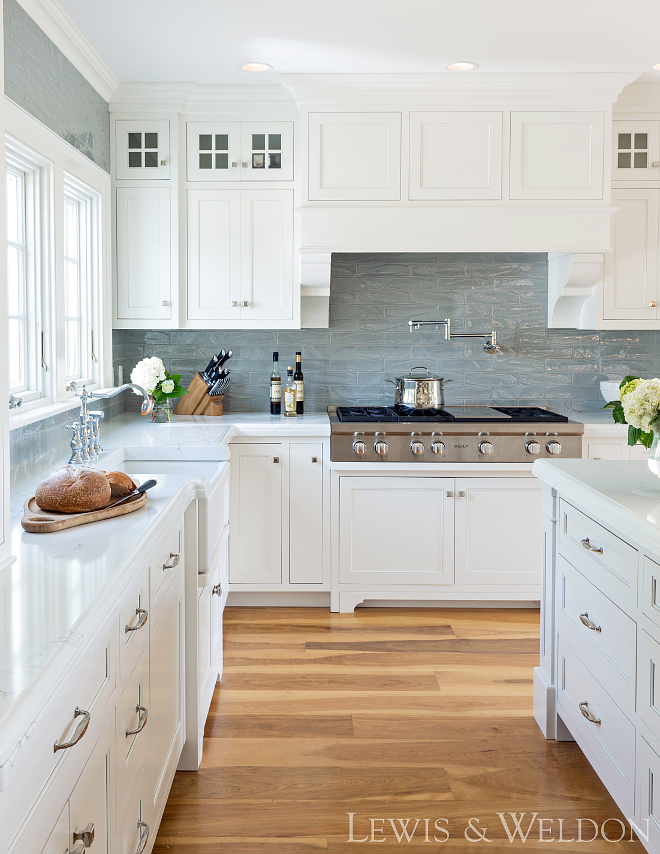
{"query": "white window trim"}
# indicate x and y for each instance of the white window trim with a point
(64, 162)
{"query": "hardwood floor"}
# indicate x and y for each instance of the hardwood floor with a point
(401, 716)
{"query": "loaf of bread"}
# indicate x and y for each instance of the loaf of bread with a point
(120, 484)
(73, 490)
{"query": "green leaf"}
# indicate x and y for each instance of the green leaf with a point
(634, 434)
(158, 395)
(175, 377)
(646, 439)
(627, 380)
(178, 391)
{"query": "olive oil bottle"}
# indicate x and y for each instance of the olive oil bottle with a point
(289, 394)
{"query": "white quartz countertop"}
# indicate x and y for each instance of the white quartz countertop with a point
(625, 492)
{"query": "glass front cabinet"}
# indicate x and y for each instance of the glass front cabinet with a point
(239, 151)
(636, 151)
(142, 150)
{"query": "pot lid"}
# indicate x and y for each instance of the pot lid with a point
(421, 373)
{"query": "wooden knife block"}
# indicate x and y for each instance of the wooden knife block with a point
(198, 401)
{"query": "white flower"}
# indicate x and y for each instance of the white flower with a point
(148, 373)
(167, 386)
(641, 405)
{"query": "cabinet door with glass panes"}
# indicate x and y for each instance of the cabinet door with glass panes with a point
(636, 151)
(240, 151)
(142, 150)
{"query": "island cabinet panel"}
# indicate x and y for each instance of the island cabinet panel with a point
(648, 680)
(136, 826)
(91, 802)
(383, 519)
(354, 156)
(455, 155)
(133, 727)
(649, 776)
(650, 593)
(488, 550)
(557, 155)
(306, 513)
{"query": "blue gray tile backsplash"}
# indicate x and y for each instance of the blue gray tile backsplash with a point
(372, 297)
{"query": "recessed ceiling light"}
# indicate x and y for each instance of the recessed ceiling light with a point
(256, 66)
(461, 66)
(656, 67)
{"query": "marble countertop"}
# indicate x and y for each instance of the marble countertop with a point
(626, 492)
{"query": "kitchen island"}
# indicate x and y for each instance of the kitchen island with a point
(598, 678)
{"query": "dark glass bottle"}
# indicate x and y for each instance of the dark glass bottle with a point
(300, 386)
(276, 387)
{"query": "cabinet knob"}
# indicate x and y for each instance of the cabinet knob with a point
(245, 303)
(234, 164)
(652, 304)
(315, 459)
(165, 303)
(245, 164)
(276, 459)
(234, 303)
(461, 493)
(655, 164)
(163, 162)
(217, 589)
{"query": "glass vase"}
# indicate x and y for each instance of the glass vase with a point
(654, 453)
(162, 412)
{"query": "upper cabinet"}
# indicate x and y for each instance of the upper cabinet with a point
(142, 150)
(636, 150)
(354, 156)
(557, 155)
(455, 155)
(239, 151)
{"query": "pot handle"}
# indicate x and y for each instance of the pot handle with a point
(444, 383)
(390, 381)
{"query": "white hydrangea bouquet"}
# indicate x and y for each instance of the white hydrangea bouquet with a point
(639, 408)
(156, 381)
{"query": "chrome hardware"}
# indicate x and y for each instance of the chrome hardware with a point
(79, 849)
(533, 448)
(85, 443)
(554, 448)
(315, 459)
(93, 354)
(461, 493)
(163, 162)
(245, 164)
(175, 561)
(234, 303)
(485, 447)
(655, 164)
(584, 708)
(81, 729)
(245, 303)
(76, 445)
(587, 545)
(142, 721)
(652, 305)
(276, 459)
(143, 617)
(144, 836)
(217, 589)
(360, 448)
(15, 402)
(85, 836)
(417, 447)
(44, 366)
(164, 303)
(381, 448)
(490, 338)
(70, 386)
(438, 448)
(94, 430)
(234, 164)
(584, 619)
(450, 493)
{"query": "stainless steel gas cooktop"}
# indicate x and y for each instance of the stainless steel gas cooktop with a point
(454, 434)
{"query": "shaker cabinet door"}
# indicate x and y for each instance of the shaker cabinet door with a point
(455, 155)
(557, 155)
(213, 151)
(306, 513)
(144, 274)
(354, 156)
(266, 151)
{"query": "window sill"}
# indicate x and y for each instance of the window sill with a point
(38, 413)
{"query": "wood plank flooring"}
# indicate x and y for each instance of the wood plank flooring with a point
(403, 717)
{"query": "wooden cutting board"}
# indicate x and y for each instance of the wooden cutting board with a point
(37, 521)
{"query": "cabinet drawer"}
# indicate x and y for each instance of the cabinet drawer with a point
(163, 566)
(650, 603)
(134, 627)
(649, 790)
(608, 740)
(605, 558)
(134, 825)
(648, 679)
(132, 726)
(601, 635)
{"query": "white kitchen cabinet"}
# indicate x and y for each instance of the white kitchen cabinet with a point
(58, 841)
(649, 776)
(142, 149)
(396, 530)
(306, 514)
(240, 255)
(136, 825)
(455, 155)
(256, 514)
(636, 150)
(144, 274)
(239, 151)
(133, 727)
(354, 156)
(91, 801)
(498, 530)
(630, 286)
(557, 155)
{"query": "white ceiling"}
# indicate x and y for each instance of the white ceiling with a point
(205, 41)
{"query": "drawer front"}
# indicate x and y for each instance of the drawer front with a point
(650, 603)
(602, 636)
(648, 680)
(609, 740)
(164, 565)
(134, 825)
(134, 627)
(649, 790)
(132, 726)
(607, 559)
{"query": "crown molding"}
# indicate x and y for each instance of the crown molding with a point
(61, 30)
(191, 98)
(445, 88)
(643, 96)
(150, 97)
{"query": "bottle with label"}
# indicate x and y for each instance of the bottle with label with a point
(276, 387)
(300, 388)
(289, 394)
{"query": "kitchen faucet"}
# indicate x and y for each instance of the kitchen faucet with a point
(85, 443)
(490, 344)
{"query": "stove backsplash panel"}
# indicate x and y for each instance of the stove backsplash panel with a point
(372, 297)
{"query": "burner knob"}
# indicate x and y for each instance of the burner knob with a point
(554, 448)
(381, 448)
(485, 447)
(533, 448)
(438, 448)
(417, 447)
(360, 448)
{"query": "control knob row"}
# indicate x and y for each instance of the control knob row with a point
(534, 448)
(360, 448)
